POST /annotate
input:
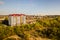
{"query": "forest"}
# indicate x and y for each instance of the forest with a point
(48, 28)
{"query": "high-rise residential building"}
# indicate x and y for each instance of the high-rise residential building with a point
(17, 19)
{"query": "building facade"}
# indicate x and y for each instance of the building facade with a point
(17, 19)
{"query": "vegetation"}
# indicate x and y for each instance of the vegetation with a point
(44, 27)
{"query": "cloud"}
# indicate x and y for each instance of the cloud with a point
(1, 2)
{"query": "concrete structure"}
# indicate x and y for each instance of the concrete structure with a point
(17, 19)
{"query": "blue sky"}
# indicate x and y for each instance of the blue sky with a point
(31, 7)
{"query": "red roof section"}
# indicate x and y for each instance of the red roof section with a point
(17, 15)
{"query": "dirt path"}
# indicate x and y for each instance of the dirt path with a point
(38, 38)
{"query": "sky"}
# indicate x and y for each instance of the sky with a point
(30, 7)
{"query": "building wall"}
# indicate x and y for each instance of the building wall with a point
(24, 19)
(17, 20)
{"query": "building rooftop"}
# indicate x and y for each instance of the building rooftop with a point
(17, 14)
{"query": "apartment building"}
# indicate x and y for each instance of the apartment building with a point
(17, 19)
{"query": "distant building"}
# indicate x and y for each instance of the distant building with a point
(17, 19)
